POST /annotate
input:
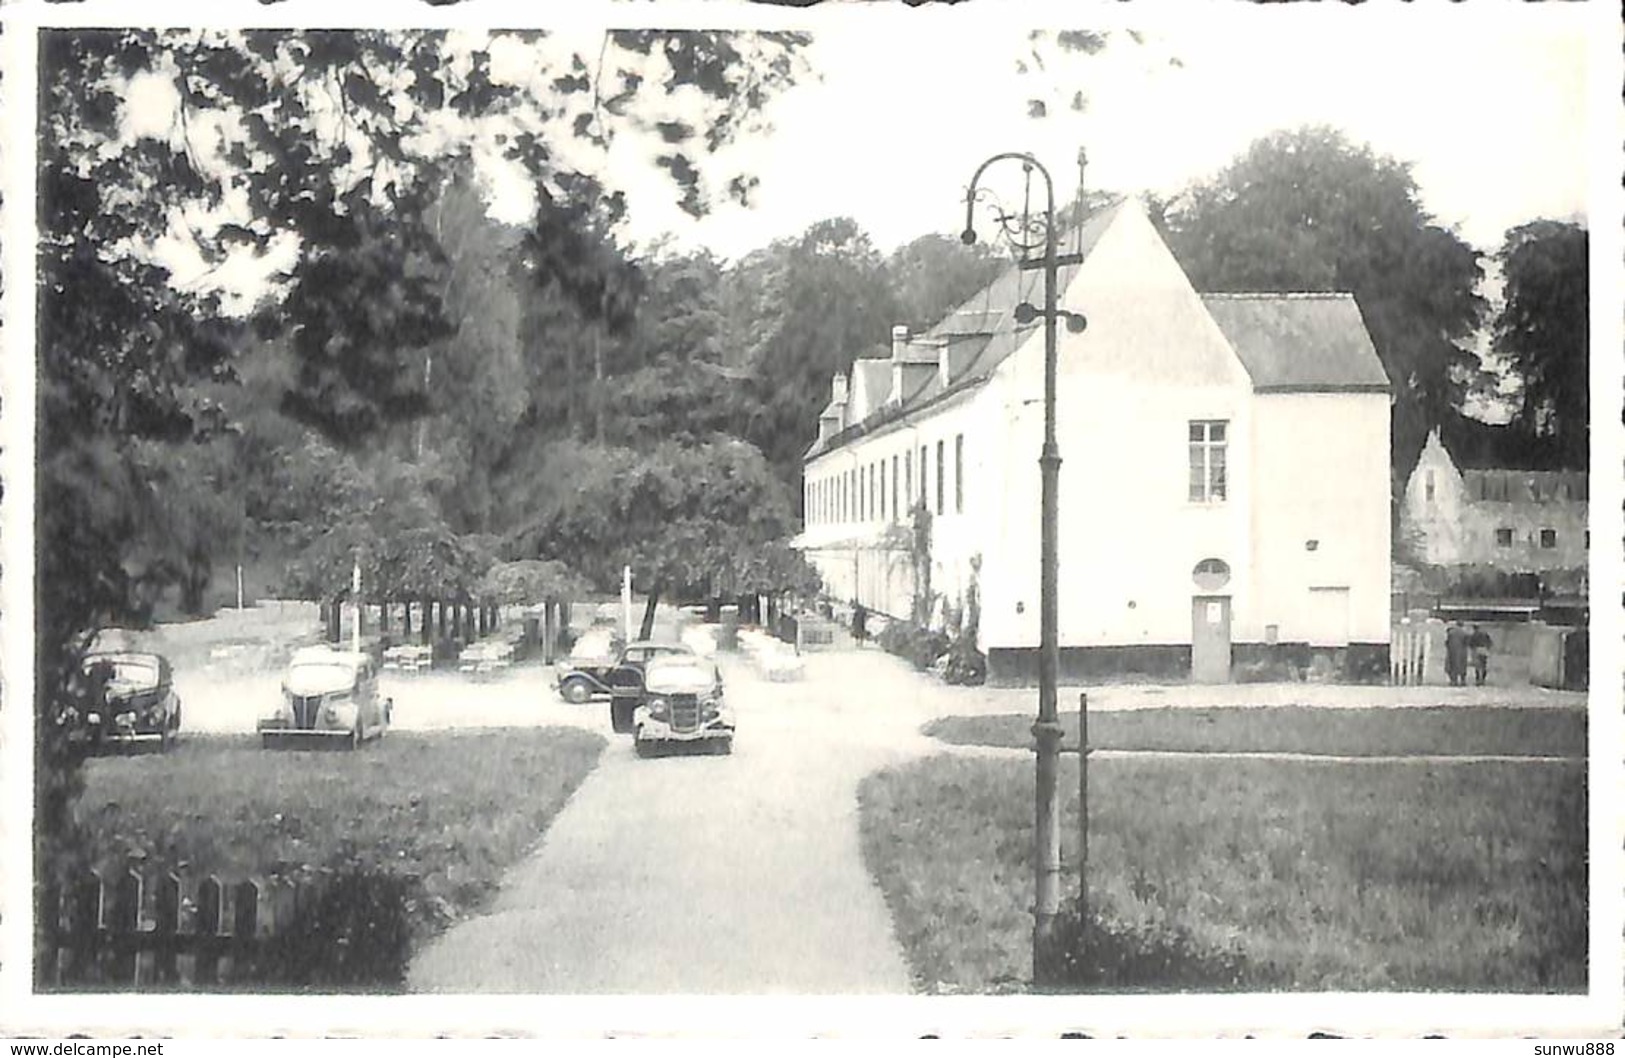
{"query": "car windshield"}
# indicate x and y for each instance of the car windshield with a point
(132, 673)
(672, 676)
(318, 677)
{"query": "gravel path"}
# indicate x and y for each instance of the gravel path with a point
(708, 874)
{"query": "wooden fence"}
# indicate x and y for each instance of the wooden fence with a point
(1409, 654)
(124, 933)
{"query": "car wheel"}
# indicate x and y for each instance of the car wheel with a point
(726, 747)
(576, 691)
(644, 748)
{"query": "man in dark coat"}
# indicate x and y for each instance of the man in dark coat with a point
(1455, 654)
(1478, 644)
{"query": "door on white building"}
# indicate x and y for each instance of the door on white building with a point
(1210, 639)
(1327, 621)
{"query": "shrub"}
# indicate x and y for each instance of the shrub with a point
(967, 666)
(358, 934)
(918, 645)
(1106, 955)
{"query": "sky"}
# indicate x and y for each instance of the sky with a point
(900, 106)
(1490, 111)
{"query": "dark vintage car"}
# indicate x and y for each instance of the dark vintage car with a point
(329, 699)
(581, 677)
(681, 705)
(124, 699)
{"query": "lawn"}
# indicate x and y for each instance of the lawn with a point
(1458, 731)
(448, 812)
(1247, 875)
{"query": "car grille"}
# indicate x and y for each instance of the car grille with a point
(685, 712)
(137, 702)
(306, 710)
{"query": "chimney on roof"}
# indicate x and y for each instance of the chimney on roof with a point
(899, 341)
(833, 421)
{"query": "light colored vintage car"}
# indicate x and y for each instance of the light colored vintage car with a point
(682, 704)
(125, 699)
(329, 699)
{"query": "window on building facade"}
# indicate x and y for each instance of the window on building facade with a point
(882, 508)
(908, 477)
(1548, 538)
(924, 490)
(959, 473)
(895, 513)
(1503, 538)
(941, 471)
(1207, 451)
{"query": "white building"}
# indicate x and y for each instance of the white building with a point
(1224, 481)
(1519, 521)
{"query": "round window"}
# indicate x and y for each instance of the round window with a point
(1211, 574)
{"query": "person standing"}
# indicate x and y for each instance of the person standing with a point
(1479, 644)
(1455, 654)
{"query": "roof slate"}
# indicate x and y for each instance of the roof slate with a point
(1287, 342)
(1299, 342)
(876, 381)
(987, 321)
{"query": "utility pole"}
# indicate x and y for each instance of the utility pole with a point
(355, 594)
(626, 603)
(1046, 729)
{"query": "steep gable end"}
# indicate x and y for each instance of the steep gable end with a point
(1146, 323)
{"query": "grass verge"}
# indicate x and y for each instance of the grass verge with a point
(1446, 731)
(446, 812)
(1246, 875)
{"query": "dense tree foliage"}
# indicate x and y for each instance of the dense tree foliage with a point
(319, 160)
(814, 303)
(1543, 333)
(1308, 210)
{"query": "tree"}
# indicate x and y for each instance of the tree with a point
(1307, 210)
(1543, 332)
(821, 300)
(933, 275)
(705, 519)
(331, 144)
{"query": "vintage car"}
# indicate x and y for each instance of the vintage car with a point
(581, 676)
(123, 698)
(681, 704)
(329, 699)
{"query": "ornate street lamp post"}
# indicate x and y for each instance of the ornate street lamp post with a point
(1024, 234)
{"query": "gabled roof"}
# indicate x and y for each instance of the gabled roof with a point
(876, 381)
(987, 323)
(1299, 342)
(988, 319)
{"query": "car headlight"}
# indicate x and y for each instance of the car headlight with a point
(657, 708)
